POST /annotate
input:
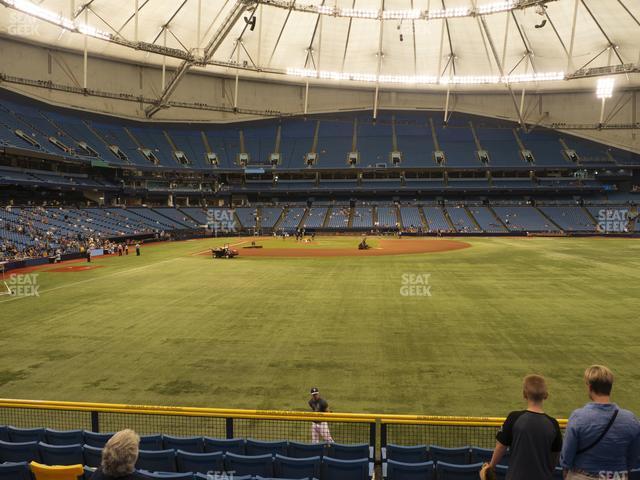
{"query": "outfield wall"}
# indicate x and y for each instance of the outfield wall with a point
(377, 430)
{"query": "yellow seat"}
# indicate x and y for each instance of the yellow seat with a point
(63, 472)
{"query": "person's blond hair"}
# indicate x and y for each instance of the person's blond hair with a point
(599, 379)
(535, 388)
(120, 454)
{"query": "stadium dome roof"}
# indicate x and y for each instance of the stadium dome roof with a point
(417, 44)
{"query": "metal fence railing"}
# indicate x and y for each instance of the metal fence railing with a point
(347, 428)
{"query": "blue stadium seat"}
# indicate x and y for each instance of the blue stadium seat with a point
(229, 445)
(88, 472)
(411, 454)
(450, 471)
(633, 474)
(151, 442)
(485, 455)
(186, 444)
(306, 450)
(558, 474)
(501, 472)
(92, 456)
(199, 462)
(256, 447)
(457, 456)
(64, 437)
(349, 452)
(157, 461)
(249, 465)
(19, 452)
(336, 469)
(4, 433)
(203, 476)
(21, 435)
(289, 467)
(96, 439)
(61, 454)
(410, 471)
(15, 471)
(166, 475)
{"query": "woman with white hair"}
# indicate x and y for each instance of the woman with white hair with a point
(119, 457)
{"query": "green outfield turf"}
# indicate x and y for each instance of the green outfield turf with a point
(171, 327)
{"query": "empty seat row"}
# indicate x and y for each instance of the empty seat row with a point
(185, 465)
(177, 461)
(195, 444)
(393, 470)
(424, 453)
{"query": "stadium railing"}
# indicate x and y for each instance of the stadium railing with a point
(377, 430)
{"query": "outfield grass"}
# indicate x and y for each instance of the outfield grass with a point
(171, 327)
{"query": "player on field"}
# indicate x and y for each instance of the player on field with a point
(319, 430)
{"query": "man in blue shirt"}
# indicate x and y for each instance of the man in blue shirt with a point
(601, 440)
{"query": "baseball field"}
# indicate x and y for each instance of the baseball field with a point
(421, 327)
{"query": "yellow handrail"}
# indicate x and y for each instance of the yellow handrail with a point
(290, 415)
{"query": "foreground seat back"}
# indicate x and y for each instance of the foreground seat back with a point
(411, 454)
(289, 467)
(306, 450)
(261, 465)
(21, 435)
(98, 440)
(410, 471)
(257, 447)
(61, 454)
(15, 471)
(92, 456)
(46, 472)
(348, 452)
(19, 452)
(186, 444)
(64, 437)
(199, 462)
(157, 461)
(457, 456)
(336, 469)
(450, 471)
(224, 445)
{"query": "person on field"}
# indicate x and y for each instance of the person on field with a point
(319, 430)
(138, 249)
(533, 437)
(602, 440)
(119, 458)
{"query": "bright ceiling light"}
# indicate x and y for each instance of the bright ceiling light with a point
(450, 13)
(605, 88)
(497, 7)
(359, 13)
(425, 79)
(401, 14)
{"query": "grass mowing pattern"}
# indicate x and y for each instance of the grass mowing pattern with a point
(171, 327)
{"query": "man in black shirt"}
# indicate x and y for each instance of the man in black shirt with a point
(533, 437)
(319, 429)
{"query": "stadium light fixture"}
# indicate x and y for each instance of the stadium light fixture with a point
(605, 88)
(604, 91)
(497, 7)
(426, 79)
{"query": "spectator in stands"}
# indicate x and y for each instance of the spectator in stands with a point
(602, 440)
(534, 438)
(119, 457)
